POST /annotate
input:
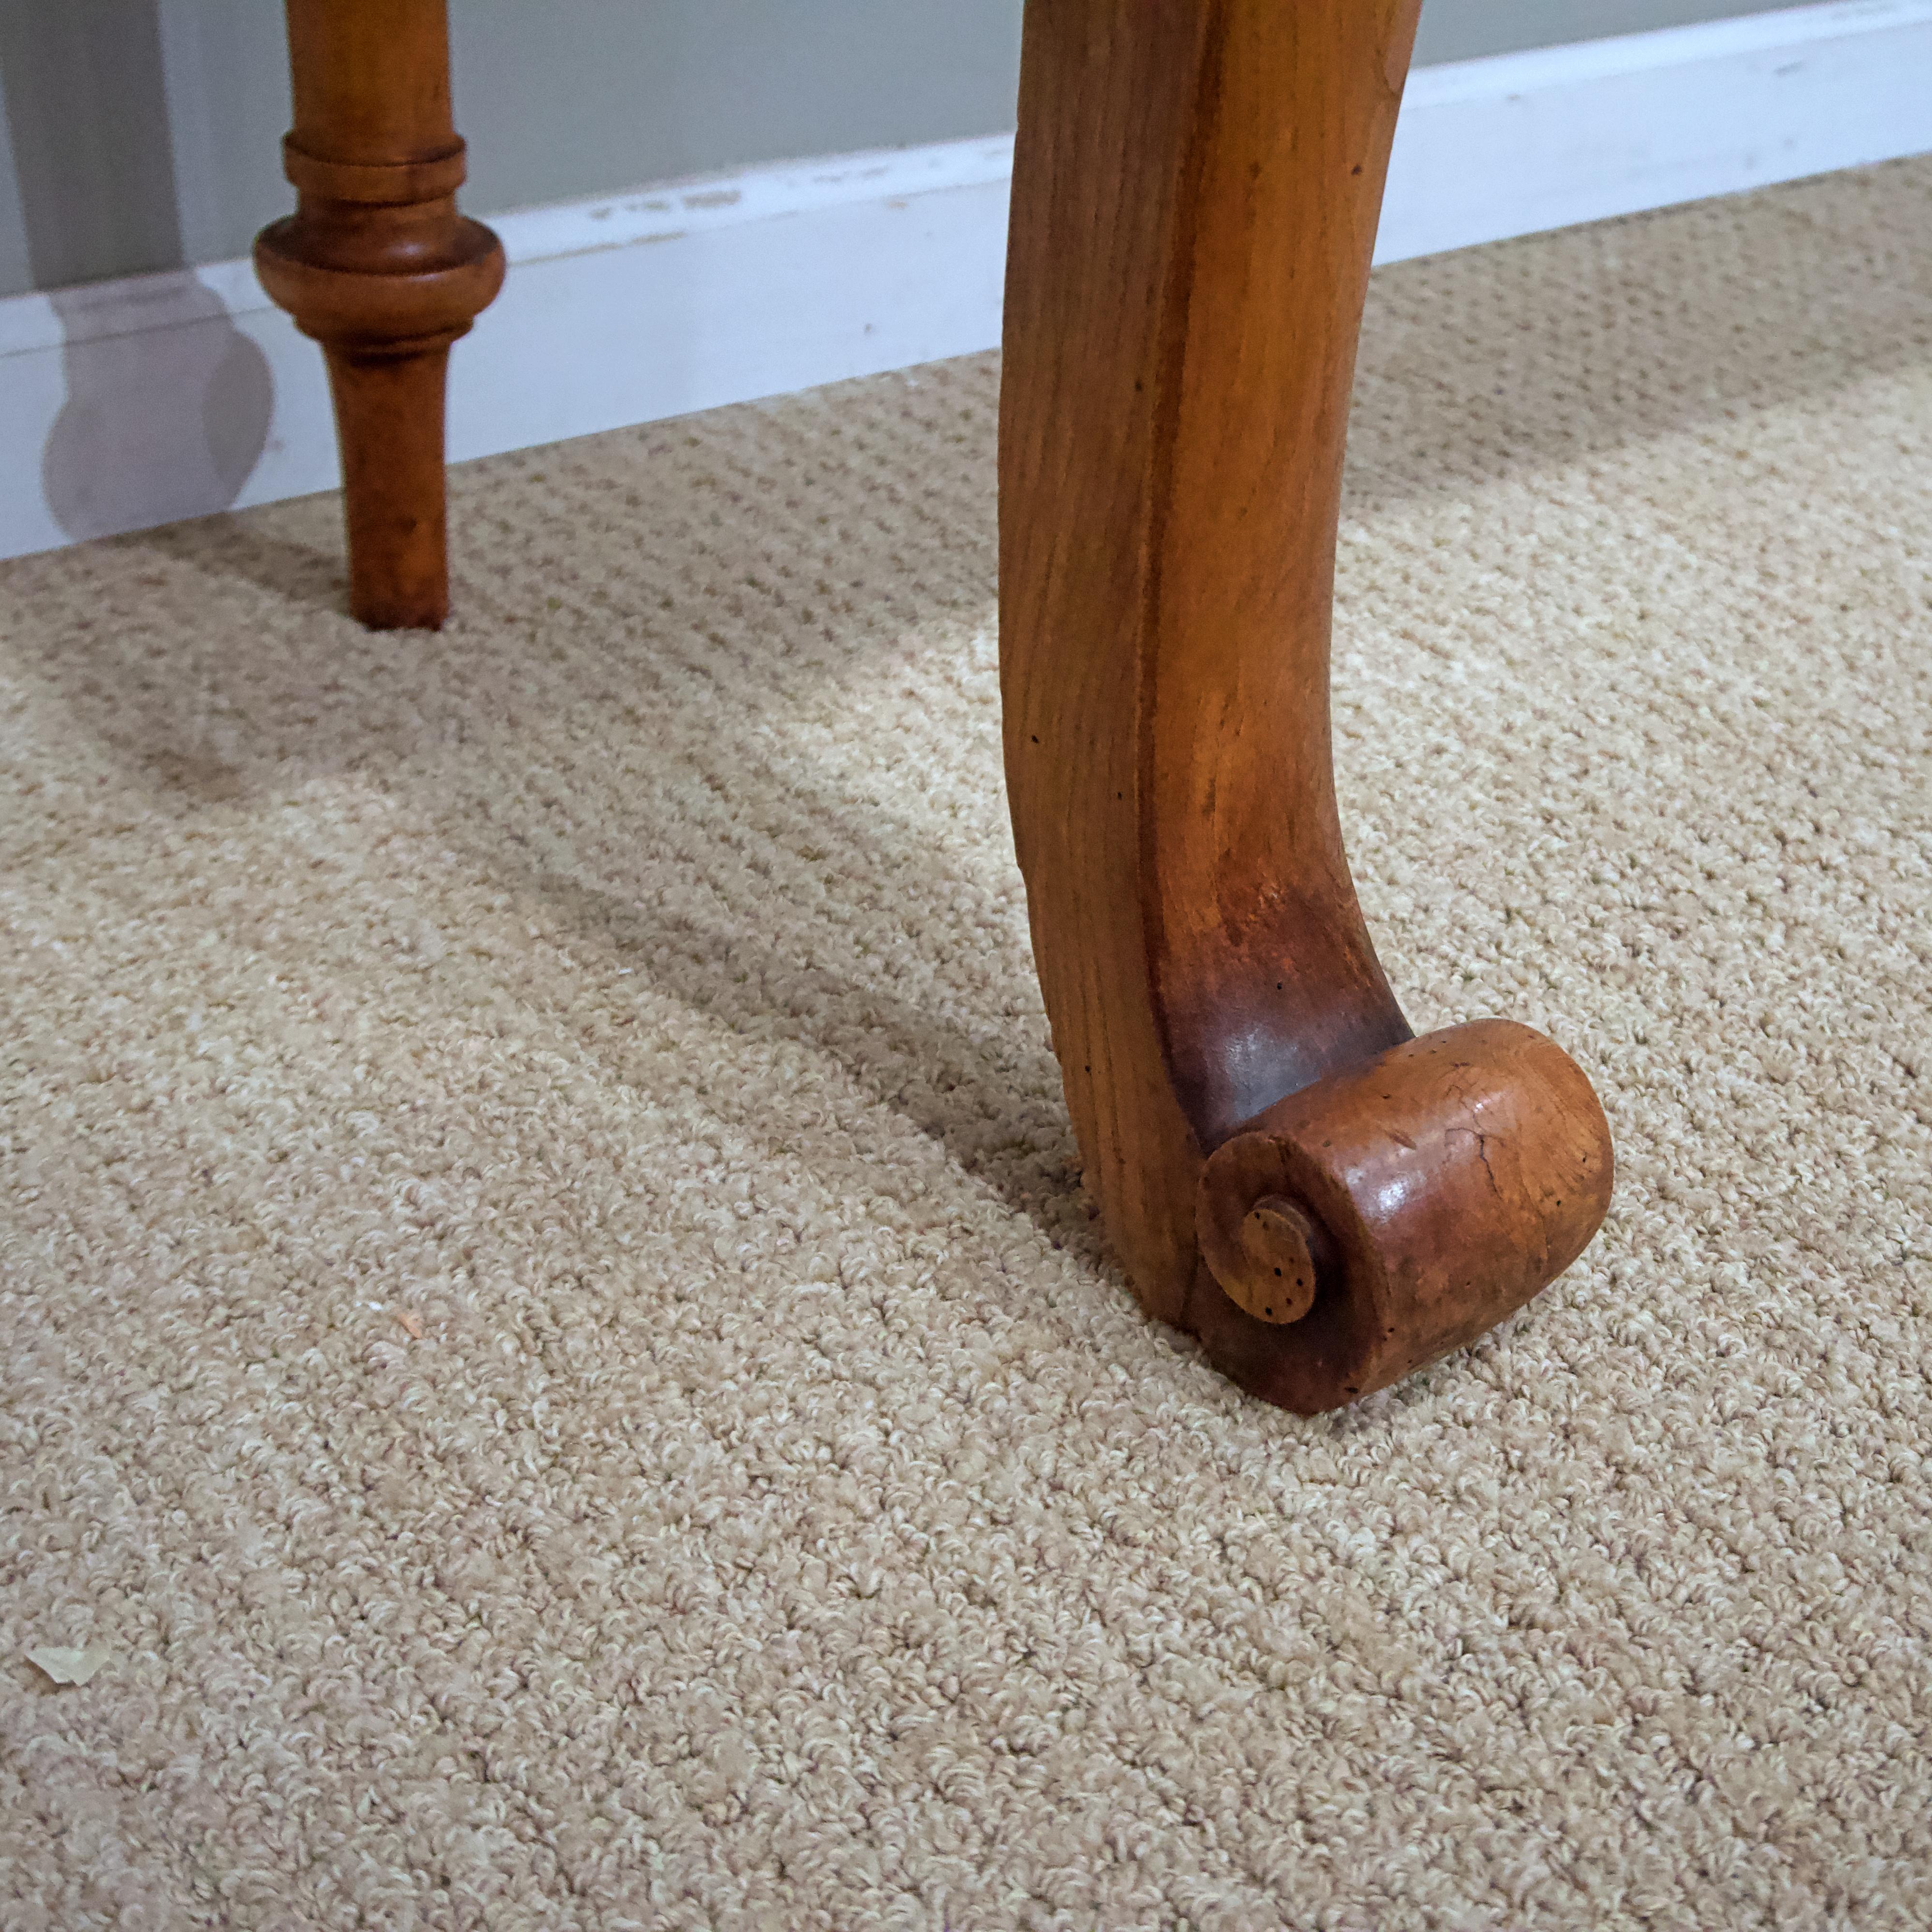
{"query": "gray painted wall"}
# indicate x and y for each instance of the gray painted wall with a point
(144, 134)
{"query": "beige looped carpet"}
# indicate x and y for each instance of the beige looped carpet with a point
(553, 1353)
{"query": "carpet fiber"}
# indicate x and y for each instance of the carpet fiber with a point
(554, 1356)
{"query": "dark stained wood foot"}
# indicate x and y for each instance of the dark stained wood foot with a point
(378, 266)
(1196, 191)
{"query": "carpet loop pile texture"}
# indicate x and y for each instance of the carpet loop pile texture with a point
(555, 1360)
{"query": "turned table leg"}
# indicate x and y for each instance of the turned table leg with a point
(378, 266)
(1280, 1165)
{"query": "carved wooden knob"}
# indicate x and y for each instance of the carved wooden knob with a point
(1409, 1205)
(1266, 1261)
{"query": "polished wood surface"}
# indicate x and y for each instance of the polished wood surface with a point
(1196, 191)
(376, 264)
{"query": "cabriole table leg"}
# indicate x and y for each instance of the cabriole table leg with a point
(1280, 1165)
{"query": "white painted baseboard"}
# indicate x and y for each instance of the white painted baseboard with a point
(125, 404)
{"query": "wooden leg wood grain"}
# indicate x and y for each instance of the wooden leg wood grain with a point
(378, 266)
(1197, 186)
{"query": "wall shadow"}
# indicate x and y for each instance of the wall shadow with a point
(159, 421)
(157, 426)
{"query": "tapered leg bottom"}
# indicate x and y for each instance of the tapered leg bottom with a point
(389, 421)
